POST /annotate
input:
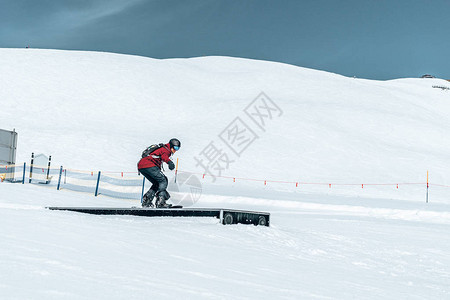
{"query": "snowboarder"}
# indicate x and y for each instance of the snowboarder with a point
(150, 166)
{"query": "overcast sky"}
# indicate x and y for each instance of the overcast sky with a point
(374, 39)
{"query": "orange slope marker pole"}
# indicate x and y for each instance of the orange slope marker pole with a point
(176, 171)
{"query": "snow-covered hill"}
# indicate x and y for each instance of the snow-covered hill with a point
(98, 111)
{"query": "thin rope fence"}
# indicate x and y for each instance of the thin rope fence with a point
(130, 184)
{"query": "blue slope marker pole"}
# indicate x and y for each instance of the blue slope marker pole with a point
(98, 182)
(142, 193)
(59, 180)
(23, 176)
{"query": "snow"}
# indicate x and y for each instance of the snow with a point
(98, 111)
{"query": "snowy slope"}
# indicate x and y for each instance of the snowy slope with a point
(98, 111)
(311, 251)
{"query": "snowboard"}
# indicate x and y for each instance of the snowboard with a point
(173, 206)
(176, 206)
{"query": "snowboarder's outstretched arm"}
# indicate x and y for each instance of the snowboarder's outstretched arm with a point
(165, 157)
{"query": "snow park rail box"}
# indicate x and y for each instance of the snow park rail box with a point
(226, 216)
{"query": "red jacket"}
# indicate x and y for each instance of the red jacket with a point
(156, 158)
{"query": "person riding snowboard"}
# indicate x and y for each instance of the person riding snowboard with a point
(150, 166)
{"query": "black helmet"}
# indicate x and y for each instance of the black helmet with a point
(175, 143)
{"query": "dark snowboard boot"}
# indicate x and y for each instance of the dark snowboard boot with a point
(147, 200)
(161, 202)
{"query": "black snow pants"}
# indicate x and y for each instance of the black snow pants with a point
(159, 182)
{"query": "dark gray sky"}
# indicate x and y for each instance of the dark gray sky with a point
(375, 39)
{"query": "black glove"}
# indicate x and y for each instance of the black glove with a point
(171, 165)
